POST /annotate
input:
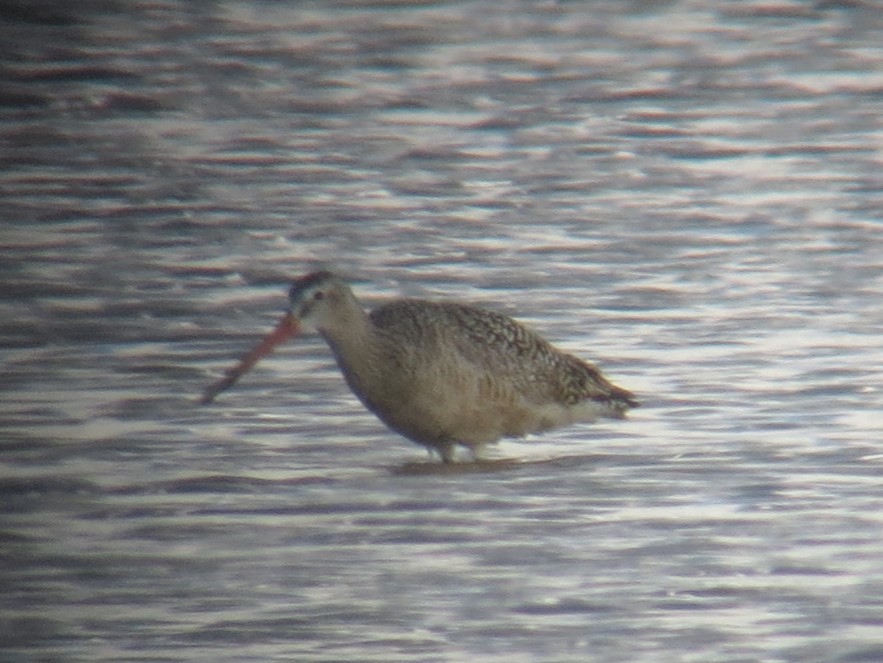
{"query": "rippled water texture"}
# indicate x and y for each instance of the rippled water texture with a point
(688, 193)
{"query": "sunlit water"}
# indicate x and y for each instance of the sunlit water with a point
(689, 196)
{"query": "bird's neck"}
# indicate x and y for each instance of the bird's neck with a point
(352, 339)
(359, 351)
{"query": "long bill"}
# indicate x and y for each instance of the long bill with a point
(285, 329)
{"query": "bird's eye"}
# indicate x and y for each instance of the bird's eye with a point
(318, 296)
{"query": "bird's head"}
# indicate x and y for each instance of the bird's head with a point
(316, 300)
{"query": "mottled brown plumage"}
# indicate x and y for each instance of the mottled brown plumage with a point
(445, 374)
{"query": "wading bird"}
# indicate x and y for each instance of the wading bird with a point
(442, 374)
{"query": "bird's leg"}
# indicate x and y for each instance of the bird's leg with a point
(477, 453)
(446, 452)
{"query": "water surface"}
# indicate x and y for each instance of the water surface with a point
(688, 195)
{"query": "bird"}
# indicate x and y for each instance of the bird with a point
(442, 374)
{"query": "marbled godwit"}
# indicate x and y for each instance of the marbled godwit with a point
(442, 374)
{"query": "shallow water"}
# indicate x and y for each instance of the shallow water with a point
(690, 197)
